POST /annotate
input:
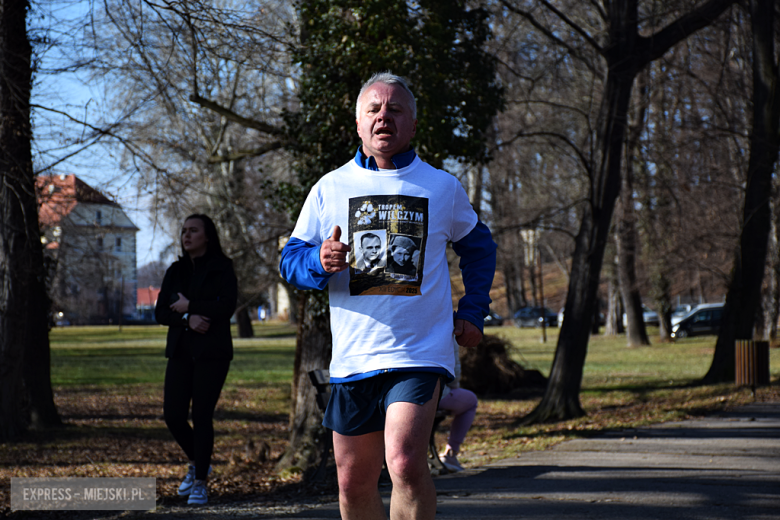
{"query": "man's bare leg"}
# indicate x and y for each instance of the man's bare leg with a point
(407, 431)
(359, 462)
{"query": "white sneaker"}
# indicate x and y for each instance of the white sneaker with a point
(450, 461)
(198, 495)
(189, 480)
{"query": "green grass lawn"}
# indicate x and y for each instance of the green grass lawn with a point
(133, 355)
(108, 388)
(610, 363)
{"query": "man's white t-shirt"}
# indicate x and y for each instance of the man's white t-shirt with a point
(399, 316)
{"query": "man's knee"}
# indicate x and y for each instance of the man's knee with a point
(355, 482)
(358, 463)
(407, 466)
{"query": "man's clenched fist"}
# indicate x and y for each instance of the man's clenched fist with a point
(333, 254)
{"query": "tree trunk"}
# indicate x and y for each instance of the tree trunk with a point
(626, 245)
(664, 306)
(561, 400)
(23, 311)
(627, 241)
(312, 351)
(511, 264)
(774, 310)
(614, 317)
(37, 354)
(244, 322)
(744, 294)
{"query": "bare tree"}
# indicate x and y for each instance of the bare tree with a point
(233, 60)
(626, 51)
(742, 301)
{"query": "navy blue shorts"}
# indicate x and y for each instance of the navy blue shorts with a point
(359, 407)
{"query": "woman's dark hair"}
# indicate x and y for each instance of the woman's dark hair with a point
(212, 246)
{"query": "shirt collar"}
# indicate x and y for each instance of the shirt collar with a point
(401, 160)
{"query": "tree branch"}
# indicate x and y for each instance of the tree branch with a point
(600, 9)
(655, 46)
(582, 157)
(232, 116)
(99, 133)
(243, 154)
(549, 34)
(579, 30)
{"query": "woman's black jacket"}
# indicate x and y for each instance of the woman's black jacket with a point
(212, 290)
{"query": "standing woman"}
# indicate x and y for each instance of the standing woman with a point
(197, 299)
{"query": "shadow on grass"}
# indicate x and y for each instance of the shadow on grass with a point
(618, 408)
(79, 432)
(253, 417)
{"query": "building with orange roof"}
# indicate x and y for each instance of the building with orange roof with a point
(146, 302)
(90, 246)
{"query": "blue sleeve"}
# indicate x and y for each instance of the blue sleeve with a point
(300, 265)
(477, 253)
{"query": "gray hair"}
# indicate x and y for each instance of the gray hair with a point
(388, 78)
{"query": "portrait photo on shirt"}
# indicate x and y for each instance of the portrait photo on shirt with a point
(398, 225)
(403, 253)
(370, 254)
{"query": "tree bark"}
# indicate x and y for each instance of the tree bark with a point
(511, 264)
(313, 351)
(626, 237)
(23, 309)
(244, 322)
(37, 354)
(744, 294)
(627, 252)
(774, 308)
(614, 318)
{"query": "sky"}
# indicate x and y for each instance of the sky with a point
(67, 92)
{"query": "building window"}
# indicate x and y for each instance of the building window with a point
(100, 243)
(118, 243)
(98, 216)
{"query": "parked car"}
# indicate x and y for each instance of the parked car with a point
(649, 316)
(703, 319)
(602, 318)
(533, 316)
(680, 312)
(493, 319)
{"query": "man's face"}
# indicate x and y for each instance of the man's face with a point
(385, 122)
(371, 249)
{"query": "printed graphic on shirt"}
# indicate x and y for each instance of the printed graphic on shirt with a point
(387, 235)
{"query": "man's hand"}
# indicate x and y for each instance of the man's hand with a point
(467, 334)
(333, 254)
(198, 323)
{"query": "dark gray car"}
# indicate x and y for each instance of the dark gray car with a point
(703, 319)
(532, 317)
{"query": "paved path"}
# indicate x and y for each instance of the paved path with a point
(721, 467)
